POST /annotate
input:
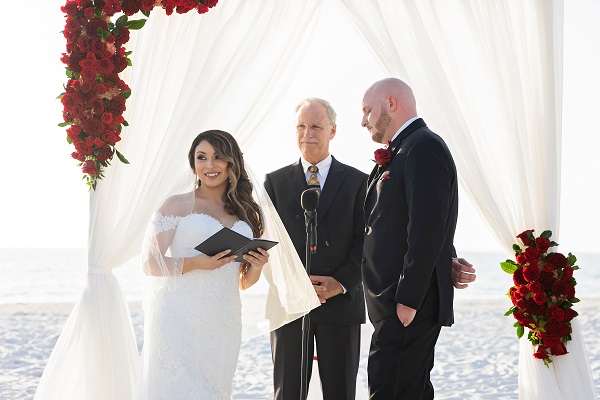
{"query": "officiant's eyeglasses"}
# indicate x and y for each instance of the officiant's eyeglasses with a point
(312, 128)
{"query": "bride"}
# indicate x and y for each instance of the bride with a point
(193, 324)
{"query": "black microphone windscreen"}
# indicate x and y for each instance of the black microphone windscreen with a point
(310, 199)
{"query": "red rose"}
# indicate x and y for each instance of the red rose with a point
(89, 167)
(210, 3)
(547, 279)
(523, 291)
(104, 153)
(111, 137)
(542, 244)
(93, 127)
(77, 156)
(117, 105)
(569, 314)
(532, 254)
(70, 8)
(107, 118)
(559, 288)
(549, 267)
(130, 7)
(535, 287)
(540, 298)
(531, 273)
(147, 5)
(567, 273)
(558, 314)
(559, 350)
(524, 238)
(382, 156)
(550, 340)
(540, 353)
(518, 278)
(521, 260)
(82, 148)
(557, 259)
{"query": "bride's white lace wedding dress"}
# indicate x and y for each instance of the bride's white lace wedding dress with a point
(192, 332)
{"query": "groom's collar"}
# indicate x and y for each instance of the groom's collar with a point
(407, 123)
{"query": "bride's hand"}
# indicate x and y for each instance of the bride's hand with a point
(258, 258)
(202, 261)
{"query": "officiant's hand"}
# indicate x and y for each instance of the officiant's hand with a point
(326, 287)
(405, 314)
(463, 273)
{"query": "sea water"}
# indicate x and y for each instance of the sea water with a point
(58, 276)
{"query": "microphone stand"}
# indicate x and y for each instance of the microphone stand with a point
(310, 219)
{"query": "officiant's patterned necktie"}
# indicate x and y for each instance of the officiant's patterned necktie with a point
(313, 179)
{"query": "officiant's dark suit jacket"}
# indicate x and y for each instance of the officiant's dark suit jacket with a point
(340, 233)
(411, 210)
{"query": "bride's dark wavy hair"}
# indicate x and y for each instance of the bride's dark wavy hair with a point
(238, 197)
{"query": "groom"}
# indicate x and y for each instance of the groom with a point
(410, 213)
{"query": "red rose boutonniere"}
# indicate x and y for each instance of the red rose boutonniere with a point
(386, 175)
(383, 156)
(543, 294)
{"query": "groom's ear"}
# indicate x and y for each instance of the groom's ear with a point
(392, 103)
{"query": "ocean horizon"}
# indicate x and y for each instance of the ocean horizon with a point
(32, 276)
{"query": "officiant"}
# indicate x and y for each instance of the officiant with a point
(335, 267)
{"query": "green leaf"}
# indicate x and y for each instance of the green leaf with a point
(520, 331)
(121, 157)
(553, 243)
(530, 235)
(546, 234)
(575, 300)
(136, 24)
(571, 259)
(66, 123)
(509, 312)
(129, 63)
(125, 123)
(68, 72)
(509, 266)
(146, 13)
(126, 93)
(122, 21)
(128, 52)
(517, 248)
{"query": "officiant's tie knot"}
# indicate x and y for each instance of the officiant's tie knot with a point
(313, 179)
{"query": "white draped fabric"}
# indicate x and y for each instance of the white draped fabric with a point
(488, 78)
(487, 75)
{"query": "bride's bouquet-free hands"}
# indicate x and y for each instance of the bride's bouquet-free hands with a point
(543, 294)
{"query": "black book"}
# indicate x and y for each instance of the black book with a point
(228, 239)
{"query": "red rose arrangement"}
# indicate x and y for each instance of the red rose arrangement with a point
(543, 294)
(383, 156)
(94, 96)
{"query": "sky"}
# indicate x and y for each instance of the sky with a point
(46, 203)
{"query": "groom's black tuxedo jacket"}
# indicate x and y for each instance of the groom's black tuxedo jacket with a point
(340, 232)
(411, 209)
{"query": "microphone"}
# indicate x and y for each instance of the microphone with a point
(310, 201)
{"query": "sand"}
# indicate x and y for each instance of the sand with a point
(475, 359)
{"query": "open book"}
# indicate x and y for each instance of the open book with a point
(228, 239)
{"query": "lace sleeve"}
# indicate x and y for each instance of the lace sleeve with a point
(159, 235)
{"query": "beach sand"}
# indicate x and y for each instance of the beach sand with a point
(475, 359)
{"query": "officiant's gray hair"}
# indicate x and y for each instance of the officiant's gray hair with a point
(312, 100)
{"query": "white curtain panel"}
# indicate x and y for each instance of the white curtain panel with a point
(190, 73)
(487, 75)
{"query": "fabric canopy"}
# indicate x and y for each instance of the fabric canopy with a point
(487, 75)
